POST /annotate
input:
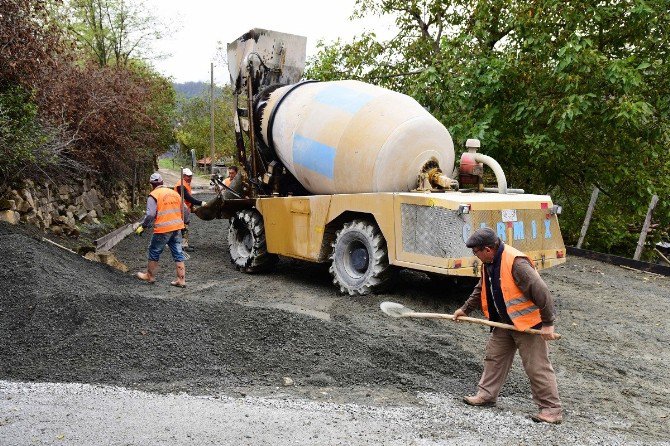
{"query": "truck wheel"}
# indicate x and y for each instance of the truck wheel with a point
(246, 241)
(360, 263)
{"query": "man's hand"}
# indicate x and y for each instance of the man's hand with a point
(458, 313)
(547, 333)
(204, 203)
(139, 230)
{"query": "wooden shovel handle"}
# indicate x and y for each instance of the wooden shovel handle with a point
(474, 320)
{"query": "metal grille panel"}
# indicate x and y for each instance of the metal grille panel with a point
(441, 232)
(432, 231)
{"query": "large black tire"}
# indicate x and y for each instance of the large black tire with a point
(246, 241)
(360, 263)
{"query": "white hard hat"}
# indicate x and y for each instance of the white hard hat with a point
(188, 172)
(155, 178)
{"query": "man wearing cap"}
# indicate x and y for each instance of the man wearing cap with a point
(189, 201)
(164, 211)
(511, 291)
(232, 173)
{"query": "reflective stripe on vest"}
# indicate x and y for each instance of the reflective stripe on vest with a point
(521, 310)
(188, 189)
(168, 210)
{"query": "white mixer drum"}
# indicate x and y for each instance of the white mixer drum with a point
(352, 137)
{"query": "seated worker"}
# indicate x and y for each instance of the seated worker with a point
(189, 201)
(232, 171)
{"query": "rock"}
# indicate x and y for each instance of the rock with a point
(18, 201)
(91, 201)
(25, 207)
(71, 231)
(11, 217)
(7, 204)
(108, 258)
(30, 218)
(287, 382)
(25, 193)
(123, 204)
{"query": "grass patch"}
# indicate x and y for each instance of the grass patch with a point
(169, 163)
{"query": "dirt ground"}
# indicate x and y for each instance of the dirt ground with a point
(67, 320)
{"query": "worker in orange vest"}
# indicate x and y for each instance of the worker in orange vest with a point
(511, 291)
(164, 212)
(189, 201)
(232, 172)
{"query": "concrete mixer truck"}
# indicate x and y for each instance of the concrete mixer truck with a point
(358, 176)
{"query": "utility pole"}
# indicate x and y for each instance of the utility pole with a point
(211, 119)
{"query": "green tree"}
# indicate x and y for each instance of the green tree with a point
(113, 31)
(565, 95)
(193, 124)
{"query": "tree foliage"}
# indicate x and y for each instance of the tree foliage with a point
(193, 127)
(60, 111)
(113, 32)
(565, 95)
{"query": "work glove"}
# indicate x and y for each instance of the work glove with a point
(139, 230)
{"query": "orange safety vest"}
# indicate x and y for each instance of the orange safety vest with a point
(168, 210)
(188, 189)
(521, 310)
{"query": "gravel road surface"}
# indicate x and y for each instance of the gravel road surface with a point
(90, 355)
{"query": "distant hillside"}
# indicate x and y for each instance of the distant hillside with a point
(192, 89)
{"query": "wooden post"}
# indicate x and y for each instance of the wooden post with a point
(645, 228)
(181, 193)
(211, 119)
(132, 189)
(587, 219)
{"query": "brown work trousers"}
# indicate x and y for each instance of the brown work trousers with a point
(500, 350)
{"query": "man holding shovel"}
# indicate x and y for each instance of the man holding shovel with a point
(164, 212)
(511, 291)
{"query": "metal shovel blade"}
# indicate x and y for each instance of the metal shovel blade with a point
(394, 309)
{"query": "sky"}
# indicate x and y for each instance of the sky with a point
(198, 25)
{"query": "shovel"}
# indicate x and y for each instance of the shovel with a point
(397, 310)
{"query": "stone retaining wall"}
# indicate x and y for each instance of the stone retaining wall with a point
(60, 208)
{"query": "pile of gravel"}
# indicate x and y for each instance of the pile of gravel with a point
(67, 319)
